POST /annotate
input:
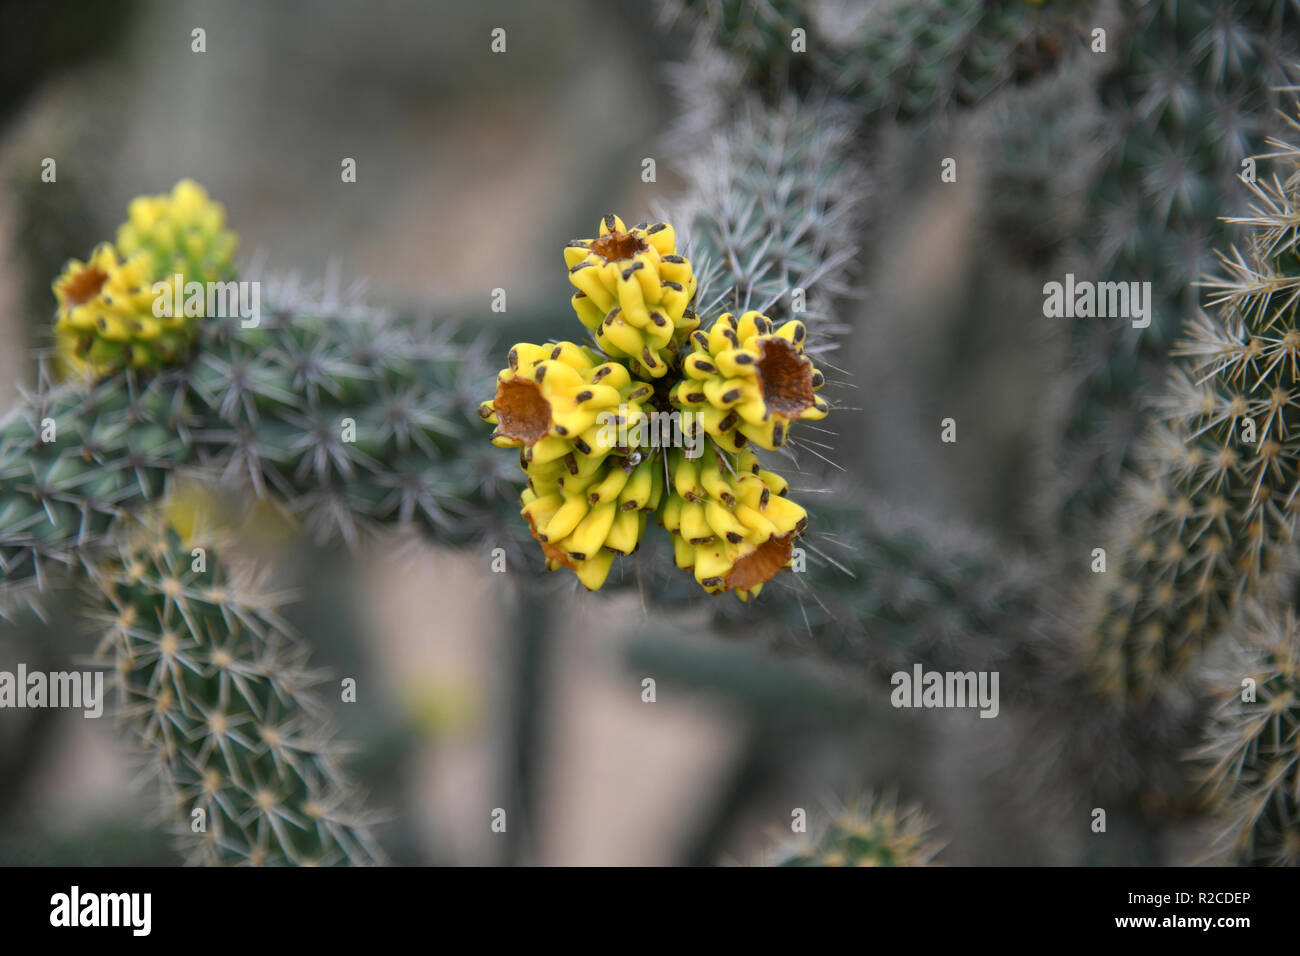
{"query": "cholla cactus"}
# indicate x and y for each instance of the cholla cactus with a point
(1252, 749)
(772, 214)
(1212, 509)
(348, 416)
(218, 693)
(1195, 92)
(908, 60)
(895, 59)
(871, 831)
(885, 588)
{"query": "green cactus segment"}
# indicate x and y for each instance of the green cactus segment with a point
(353, 419)
(910, 60)
(1196, 90)
(1212, 508)
(70, 459)
(886, 593)
(873, 831)
(760, 32)
(219, 695)
(904, 59)
(881, 591)
(1252, 750)
(353, 423)
(772, 208)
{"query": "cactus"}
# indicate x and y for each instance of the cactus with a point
(347, 420)
(893, 60)
(1195, 92)
(908, 61)
(770, 213)
(266, 406)
(1251, 755)
(870, 831)
(218, 693)
(1211, 511)
(885, 589)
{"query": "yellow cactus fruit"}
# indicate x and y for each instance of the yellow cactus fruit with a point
(117, 310)
(731, 524)
(599, 427)
(106, 319)
(182, 233)
(554, 400)
(634, 293)
(584, 511)
(748, 381)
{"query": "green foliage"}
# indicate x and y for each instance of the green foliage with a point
(879, 590)
(915, 60)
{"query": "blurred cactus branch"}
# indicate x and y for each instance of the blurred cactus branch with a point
(1195, 89)
(531, 639)
(220, 696)
(892, 60)
(1209, 518)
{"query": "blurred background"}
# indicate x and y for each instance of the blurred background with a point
(473, 169)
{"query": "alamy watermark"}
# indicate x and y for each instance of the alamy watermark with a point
(674, 429)
(956, 689)
(75, 909)
(1101, 300)
(242, 300)
(60, 689)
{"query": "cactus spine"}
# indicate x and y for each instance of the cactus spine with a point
(870, 831)
(771, 215)
(1195, 93)
(895, 59)
(218, 693)
(1209, 514)
(350, 420)
(1252, 748)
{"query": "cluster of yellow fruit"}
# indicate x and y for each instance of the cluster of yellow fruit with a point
(588, 420)
(106, 316)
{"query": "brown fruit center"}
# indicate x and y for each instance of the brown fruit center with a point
(784, 378)
(759, 566)
(617, 245)
(522, 413)
(84, 286)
